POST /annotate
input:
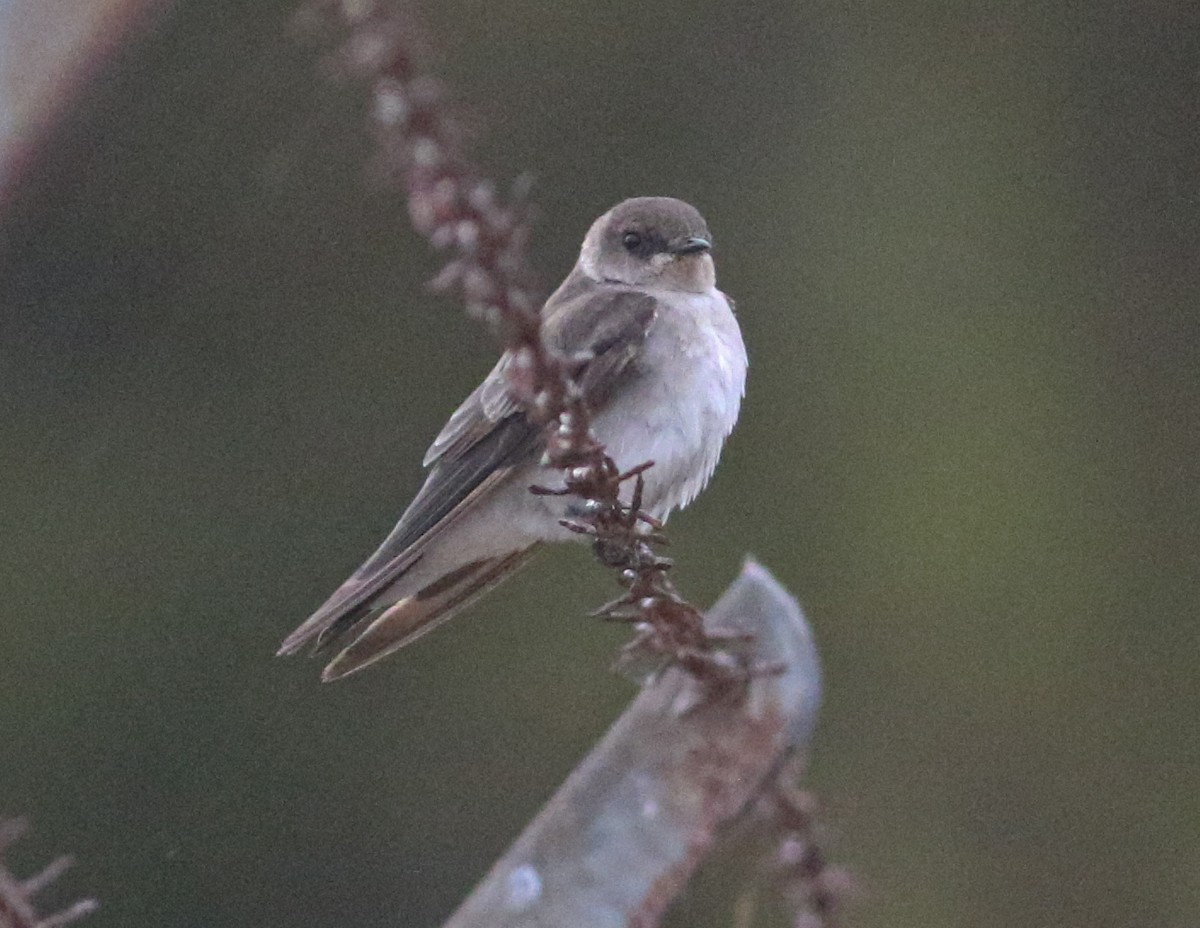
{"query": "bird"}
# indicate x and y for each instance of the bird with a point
(664, 379)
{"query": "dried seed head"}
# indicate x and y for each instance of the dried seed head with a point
(477, 284)
(449, 276)
(791, 852)
(523, 358)
(467, 234)
(426, 152)
(421, 213)
(391, 106)
(482, 197)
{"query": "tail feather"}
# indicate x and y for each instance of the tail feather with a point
(341, 612)
(413, 616)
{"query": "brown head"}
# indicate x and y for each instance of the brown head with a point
(654, 242)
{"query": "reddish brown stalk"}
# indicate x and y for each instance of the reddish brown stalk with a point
(486, 237)
(814, 891)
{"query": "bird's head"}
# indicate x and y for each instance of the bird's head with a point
(654, 242)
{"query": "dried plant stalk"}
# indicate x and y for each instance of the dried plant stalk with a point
(486, 239)
(485, 236)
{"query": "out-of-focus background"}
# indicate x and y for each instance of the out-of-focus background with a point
(964, 239)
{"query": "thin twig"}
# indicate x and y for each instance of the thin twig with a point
(814, 892)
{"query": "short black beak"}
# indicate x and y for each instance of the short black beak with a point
(691, 246)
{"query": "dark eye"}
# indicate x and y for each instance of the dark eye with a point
(631, 240)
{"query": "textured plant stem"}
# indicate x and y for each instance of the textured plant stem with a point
(485, 238)
(700, 730)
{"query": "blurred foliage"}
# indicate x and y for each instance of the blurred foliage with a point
(963, 239)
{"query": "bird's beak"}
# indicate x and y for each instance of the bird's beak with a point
(691, 246)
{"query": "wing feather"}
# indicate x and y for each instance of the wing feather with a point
(487, 437)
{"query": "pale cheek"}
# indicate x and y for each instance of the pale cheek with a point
(691, 274)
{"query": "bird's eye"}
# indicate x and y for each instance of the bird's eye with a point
(631, 240)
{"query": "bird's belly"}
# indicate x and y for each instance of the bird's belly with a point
(679, 422)
(676, 411)
(669, 427)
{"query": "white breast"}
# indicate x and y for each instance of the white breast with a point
(680, 411)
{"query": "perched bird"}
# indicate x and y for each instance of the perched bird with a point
(665, 378)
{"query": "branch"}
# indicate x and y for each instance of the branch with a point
(485, 238)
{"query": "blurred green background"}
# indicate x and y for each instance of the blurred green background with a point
(964, 239)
